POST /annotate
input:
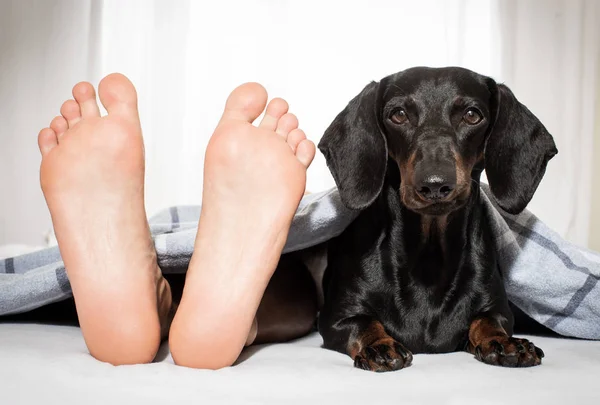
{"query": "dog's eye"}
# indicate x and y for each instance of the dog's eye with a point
(399, 117)
(472, 117)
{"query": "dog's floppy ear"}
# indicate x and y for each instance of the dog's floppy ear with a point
(356, 149)
(517, 151)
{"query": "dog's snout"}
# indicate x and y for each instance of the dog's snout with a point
(435, 166)
(435, 187)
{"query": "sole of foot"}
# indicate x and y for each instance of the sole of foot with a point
(92, 176)
(254, 179)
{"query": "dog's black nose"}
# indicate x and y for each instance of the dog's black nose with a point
(434, 187)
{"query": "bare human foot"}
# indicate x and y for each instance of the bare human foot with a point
(254, 178)
(92, 176)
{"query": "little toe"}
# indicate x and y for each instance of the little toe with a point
(295, 137)
(85, 95)
(286, 124)
(47, 140)
(245, 103)
(118, 96)
(305, 152)
(275, 111)
(59, 125)
(70, 110)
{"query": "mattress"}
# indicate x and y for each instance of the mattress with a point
(49, 364)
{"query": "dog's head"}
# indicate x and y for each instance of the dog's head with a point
(442, 126)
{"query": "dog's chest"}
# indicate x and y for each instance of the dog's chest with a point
(425, 325)
(430, 309)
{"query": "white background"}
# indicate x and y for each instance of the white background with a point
(186, 56)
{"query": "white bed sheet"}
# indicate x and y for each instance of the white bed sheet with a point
(48, 364)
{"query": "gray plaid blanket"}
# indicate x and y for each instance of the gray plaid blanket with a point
(551, 280)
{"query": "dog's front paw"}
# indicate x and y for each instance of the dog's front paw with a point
(509, 352)
(383, 355)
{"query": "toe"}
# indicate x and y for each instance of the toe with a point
(286, 124)
(245, 103)
(118, 96)
(70, 110)
(85, 95)
(295, 137)
(47, 140)
(305, 152)
(59, 125)
(361, 362)
(275, 111)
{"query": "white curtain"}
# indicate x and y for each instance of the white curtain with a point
(45, 47)
(550, 54)
(185, 57)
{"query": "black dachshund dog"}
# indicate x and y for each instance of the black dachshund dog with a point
(416, 272)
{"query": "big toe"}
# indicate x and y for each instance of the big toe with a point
(245, 103)
(118, 96)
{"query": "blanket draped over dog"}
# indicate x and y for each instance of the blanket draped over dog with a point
(551, 280)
